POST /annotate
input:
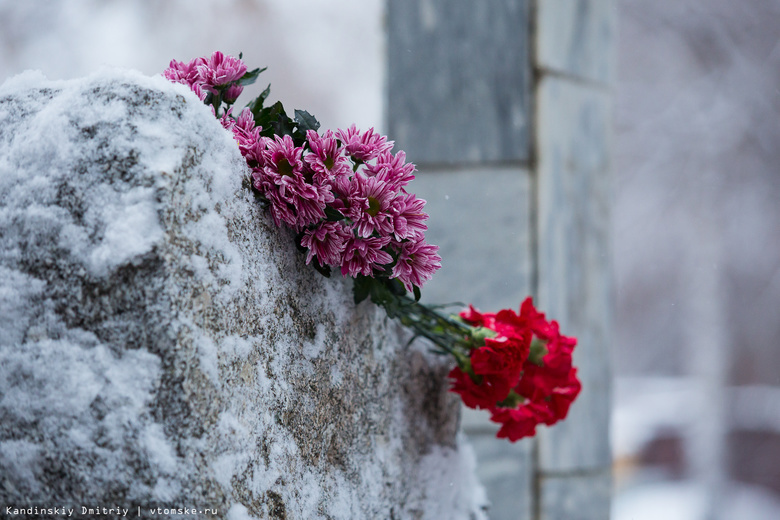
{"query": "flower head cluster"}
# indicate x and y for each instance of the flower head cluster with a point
(522, 373)
(218, 74)
(345, 194)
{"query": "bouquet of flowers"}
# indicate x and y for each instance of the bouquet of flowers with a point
(345, 195)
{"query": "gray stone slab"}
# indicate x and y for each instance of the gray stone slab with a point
(576, 497)
(477, 422)
(577, 37)
(574, 263)
(480, 219)
(506, 471)
(162, 343)
(459, 79)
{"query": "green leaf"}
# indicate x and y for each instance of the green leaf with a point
(512, 400)
(306, 121)
(265, 115)
(417, 294)
(333, 215)
(298, 245)
(396, 287)
(283, 124)
(361, 288)
(269, 118)
(324, 270)
(250, 76)
(256, 105)
(264, 94)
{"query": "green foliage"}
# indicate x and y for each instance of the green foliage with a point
(361, 288)
(450, 334)
(250, 77)
(274, 119)
(306, 121)
(538, 351)
(333, 215)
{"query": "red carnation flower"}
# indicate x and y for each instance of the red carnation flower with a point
(500, 356)
(491, 390)
(517, 423)
(545, 386)
(472, 316)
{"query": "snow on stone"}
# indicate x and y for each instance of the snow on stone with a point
(162, 343)
(131, 229)
(450, 471)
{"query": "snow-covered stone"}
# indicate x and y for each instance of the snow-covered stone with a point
(162, 344)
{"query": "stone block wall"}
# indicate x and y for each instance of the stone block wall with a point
(510, 106)
(162, 344)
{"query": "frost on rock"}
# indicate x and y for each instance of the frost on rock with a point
(163, 344)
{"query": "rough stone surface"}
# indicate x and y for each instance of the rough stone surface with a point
(162, 344)
(459, 80)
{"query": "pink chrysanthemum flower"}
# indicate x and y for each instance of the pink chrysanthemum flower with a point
(363, 255)
(220, 70)
(304, 203)
(392, 169)
(232, 93)
(186, 73)
(284, 173)
(246, 133)
(417, 261)
(255, 153)
(326, 242)
(363, 147)
(369, 206)
(227, 122)
(309, 201)
(283, 158)
(409, 217)
(281, 210)
(198, 89)
(326, 159)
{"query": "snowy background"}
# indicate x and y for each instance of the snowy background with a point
(696, 218)
(322, 56)
(697, 254)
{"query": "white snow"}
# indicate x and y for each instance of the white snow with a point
(122, 224)
(239, 512)
(21, 458)
(448, 472)
(132, 228)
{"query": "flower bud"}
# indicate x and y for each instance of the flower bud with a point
(480, 334)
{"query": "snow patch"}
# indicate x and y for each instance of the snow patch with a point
(132, 228)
